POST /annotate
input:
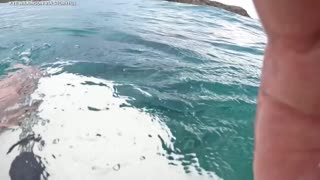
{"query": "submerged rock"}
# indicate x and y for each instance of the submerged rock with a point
(231, 8)
(15, 90)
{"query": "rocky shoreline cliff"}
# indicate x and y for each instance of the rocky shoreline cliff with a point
(231, 8)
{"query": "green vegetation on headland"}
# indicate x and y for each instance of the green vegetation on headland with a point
(231, 8)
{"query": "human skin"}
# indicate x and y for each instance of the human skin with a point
(14, 89)
(287, 131)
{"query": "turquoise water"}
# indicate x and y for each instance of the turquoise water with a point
(197, 68)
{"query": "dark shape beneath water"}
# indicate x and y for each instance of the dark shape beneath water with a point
(27, 166)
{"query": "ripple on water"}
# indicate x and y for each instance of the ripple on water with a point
(193, 69)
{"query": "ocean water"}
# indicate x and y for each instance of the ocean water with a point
(136, 89)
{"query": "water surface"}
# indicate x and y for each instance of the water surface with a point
(138, 88)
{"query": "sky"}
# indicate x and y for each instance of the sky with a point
(246, 4)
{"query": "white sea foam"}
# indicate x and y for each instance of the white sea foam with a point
(89, 135)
